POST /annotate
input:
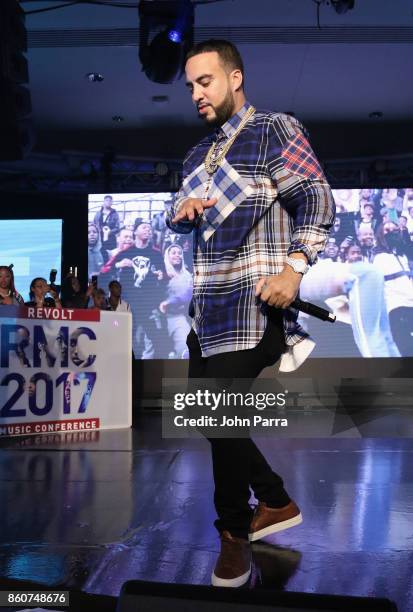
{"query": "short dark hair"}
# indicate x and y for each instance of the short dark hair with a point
(139, 221)
(108, 197)
(228, 53)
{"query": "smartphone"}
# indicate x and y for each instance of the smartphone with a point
(52, 276)
(94, 280)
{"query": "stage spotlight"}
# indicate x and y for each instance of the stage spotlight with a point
(175, 36)
(166, 35)
(342, 6)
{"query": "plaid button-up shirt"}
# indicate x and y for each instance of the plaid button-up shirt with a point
(273, 200)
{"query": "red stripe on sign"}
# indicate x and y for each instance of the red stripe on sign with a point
(54, 314)
(20, 429)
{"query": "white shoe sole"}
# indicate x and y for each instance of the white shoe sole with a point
(232, 582)
(262, 533)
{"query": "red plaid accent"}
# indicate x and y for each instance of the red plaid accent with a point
(299, 158)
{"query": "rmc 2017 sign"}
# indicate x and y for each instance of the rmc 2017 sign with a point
(64, 370)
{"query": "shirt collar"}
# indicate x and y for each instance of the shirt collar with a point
(232, 124)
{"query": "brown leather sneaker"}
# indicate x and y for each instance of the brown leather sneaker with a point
(270, 520)
(233, 567)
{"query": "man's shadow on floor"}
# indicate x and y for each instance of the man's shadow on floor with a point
(273, 566)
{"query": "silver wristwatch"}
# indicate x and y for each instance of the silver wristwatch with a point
(298, 265)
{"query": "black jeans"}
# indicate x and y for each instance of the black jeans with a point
(237, 462)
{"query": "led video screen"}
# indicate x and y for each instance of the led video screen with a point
(34, 247)
(364, 275)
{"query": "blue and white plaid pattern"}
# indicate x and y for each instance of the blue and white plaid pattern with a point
(269, 206)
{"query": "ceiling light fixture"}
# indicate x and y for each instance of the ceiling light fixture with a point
(342, 6)
(161, 169)
(94, 77)
(376, 115)
(166, 35)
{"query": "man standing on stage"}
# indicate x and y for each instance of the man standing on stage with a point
(260, 209)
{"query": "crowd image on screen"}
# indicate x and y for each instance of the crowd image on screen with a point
(152, 266)
(366, 281)
(373, 237)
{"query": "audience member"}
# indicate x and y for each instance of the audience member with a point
(99, 300)
(346, 200)
(366, 218)
(366, 240)
(390, 199)
(159, 227)
(354, 253)
(124, 240)
(344, 245)
(392, 261)
(354, 290)
(38, 298)
(95, 255)
(391, 205)
(410, 221)
(405, 236)
(408, 198)
(8, 293)
(365, 197)
(139, 271)
(107, 222)
(72, 294)
(178, 297)
(338, 231)
(331, 250)
(115, 298)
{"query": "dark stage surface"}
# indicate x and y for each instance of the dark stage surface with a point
(127, 504)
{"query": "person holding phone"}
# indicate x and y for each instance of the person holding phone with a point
(72, 294)
(39, 288)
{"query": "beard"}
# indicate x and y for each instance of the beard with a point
(223, 111)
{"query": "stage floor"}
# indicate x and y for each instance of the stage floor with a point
(94, 512)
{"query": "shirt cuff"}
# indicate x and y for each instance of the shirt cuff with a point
(296, 355)
(301, 247)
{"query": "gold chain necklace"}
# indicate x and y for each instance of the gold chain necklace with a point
(212, 163)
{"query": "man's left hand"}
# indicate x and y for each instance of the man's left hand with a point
(279, 290)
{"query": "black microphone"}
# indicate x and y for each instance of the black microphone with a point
(313, 310)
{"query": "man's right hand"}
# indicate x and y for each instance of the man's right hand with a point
(193, 207)
(124, 263)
